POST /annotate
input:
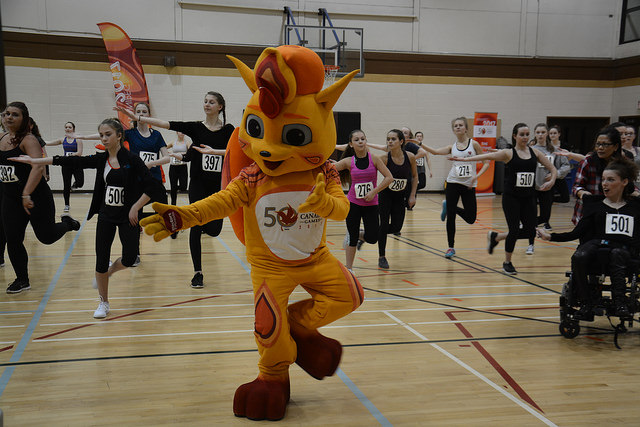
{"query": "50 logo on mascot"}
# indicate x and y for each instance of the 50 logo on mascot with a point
(279, 191)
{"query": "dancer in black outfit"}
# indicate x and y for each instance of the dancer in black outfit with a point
(26, 197)
(123, 185)
(519, 198)
(205, 170)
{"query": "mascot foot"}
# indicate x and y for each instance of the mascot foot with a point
(318, 355)
(265, 398)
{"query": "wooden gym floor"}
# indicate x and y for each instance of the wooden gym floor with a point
(436, 342)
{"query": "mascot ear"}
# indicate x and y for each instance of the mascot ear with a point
(246, 73)
(330, 95)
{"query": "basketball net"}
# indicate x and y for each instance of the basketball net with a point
(330, 72)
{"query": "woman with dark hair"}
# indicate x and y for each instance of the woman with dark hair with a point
(123, 185)
(561, 187)
(608, 147)
(362, 169)
(519, 198)
(205, 169)
(399, 194)
(609, 222)
(26, 197)
(71, 146)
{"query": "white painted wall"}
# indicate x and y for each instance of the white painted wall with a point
(556, 28)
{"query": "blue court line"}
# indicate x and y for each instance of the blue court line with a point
(364, 399)
(356, 391)
(22, 345)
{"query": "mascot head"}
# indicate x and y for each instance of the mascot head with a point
(288, 124)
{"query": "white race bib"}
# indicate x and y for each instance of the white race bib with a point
(524, 179)
(619, 224)
(398, 185)
(148, 156)
(8, 173)
(211, 163)
(420, 162)
(114, 196)
(464, 170)
(361, 189)
(549, 157)
(69, 153)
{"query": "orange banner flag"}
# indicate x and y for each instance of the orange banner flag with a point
(128, 78)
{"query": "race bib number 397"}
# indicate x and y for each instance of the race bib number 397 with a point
(524, 179)
(211, 163)
(619, 224)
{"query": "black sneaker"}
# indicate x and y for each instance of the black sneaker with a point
(382, 262)
(359, 244)
(508, 268)
(491, 241)
(71, 223)
(136, 262)
(622, 311)
(174, 235)
(547, 226)
(18, 286)
(197, 281)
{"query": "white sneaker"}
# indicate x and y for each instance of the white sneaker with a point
(529, 250)
(66, 208)
(102, 310)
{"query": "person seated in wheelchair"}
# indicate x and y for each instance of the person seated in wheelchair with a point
(608, 222)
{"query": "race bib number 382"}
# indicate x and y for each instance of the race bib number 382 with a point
(8, 173)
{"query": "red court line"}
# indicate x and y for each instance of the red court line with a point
(362, 259)
(410, 282)
(6, 348)
(129, 314)
(503, 373)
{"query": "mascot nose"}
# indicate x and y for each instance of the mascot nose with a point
(265, 154)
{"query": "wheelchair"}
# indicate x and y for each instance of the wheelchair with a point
(601, 300)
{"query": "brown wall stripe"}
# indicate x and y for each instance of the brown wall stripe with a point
(403, 66)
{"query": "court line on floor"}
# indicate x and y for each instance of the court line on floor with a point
(474, 372)
(26, 337)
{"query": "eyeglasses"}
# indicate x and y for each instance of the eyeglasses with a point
(604, 144)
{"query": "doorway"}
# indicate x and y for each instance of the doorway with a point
(577, 134)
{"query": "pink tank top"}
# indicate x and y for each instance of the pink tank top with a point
(362, 181)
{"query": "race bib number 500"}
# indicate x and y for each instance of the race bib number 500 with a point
(114, 196)
(211, 163)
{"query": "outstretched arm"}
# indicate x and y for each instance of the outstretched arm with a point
(499, 156)
(142, 119)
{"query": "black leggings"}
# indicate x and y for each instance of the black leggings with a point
(370, 221)
(105, 233)
(453, 192)
(562, 190)
(391, 206)
(178, 177)
(519, 210)
(198, 191)
(67, 173)
(42, 218)
(545, 201)
(582, 260)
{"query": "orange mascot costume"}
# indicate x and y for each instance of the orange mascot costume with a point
(278, 205)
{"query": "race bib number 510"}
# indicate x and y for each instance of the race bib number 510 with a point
(524, 179)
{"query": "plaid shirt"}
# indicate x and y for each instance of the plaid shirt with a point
(588, 179)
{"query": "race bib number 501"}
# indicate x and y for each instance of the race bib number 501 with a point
(619, 224)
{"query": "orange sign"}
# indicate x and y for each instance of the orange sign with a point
(485, 129)
(128, 78)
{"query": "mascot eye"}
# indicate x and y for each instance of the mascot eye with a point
(254, 125)
(296, 135)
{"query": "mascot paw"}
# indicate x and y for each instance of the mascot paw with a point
(264, 398)
(318, 355)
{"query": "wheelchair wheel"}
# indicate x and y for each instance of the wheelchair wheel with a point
(569, 328)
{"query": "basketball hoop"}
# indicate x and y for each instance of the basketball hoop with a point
(330, 72)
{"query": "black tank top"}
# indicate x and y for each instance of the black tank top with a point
(401, 184)
(519, 177)
(13, 175)
(113, 208)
